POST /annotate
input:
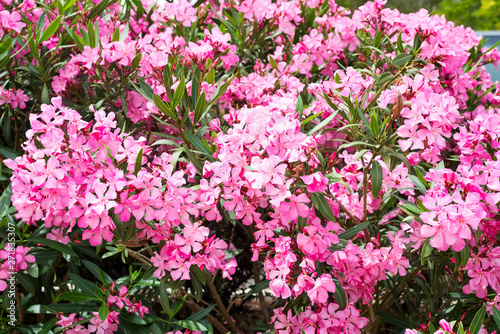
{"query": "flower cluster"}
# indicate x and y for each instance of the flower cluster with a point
(338, 150)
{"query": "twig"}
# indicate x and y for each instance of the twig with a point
(196, 308)
(262, 301)
(220, 304)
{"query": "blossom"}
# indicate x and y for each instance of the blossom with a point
(315, 182)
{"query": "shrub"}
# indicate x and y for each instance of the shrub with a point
(181, 161)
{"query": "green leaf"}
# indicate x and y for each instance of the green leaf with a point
(65, 249)
(399, 156)
(40, 25)
(198, 144)
(198, 280)
(257, 288)
(97, 272)
(300, 105)
(45, 94)
(51, 29)
(164, 298)
(211, 77)
(421, 177)
(426, 250)
(138, 163)
(195, 86)
(273, 63)
(353, 231)
(395, 320)
(416, 181)
(32, 45)
(47, 326)
(33, 270)
(230, 253)
(200, 107)
(194, 160)
(116, 34)
(103, 311)
(97, 10)
(27, 282)
(374, 126)
(84, 285)
(377, 38)
(322, 124)
(179, 92)
(383, 78)
(177, 306)
(132, 318)
(68, 5)
(458, 260)
(464, 255)
(70, 308)
(477, 321)
(136, 61)
(74, 296)
(5, 201)
(340, 295)
(189, 324)
(201, 314)
(377, 178)
(308, 119)
(401, 49)
(146, 90)
(321, 203)
(401, 59)
(496, 316)
(164, 108)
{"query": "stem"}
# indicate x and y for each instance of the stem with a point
(20, 310)
(343, 208)
(401, 287)
(192, 304)
(139, 257)
(196, 308)
(220, 304)
(262, 301)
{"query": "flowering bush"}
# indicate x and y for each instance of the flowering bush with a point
(173, 165)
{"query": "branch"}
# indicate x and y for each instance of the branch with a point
(196, 308)
(220, 304)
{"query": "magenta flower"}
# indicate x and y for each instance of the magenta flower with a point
(315, 182)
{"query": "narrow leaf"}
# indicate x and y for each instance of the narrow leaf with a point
(340, 295)
(496, 316)
(84, 285)
(377, 178)
(74, 296)
(426, 251)
(353, 231)
(299, 107)
(477, 321)
(321, 203)
(103, 311)
(51, 29)
(179, 92)
(198, 144)
(138, 163)
(189, 324)
(401, 59)
(164, 298)
(257, 288)
(395, 320)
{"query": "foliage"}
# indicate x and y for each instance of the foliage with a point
(167, 166)
(480, 15)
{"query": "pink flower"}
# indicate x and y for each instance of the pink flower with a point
(315, 182)
(11, 21)
(322, 286)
